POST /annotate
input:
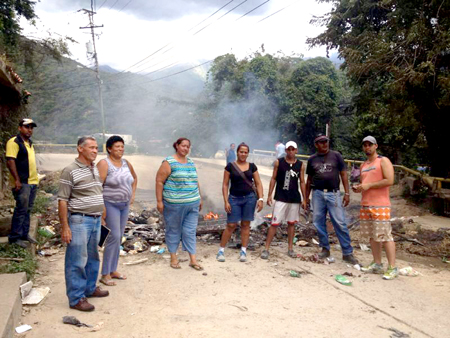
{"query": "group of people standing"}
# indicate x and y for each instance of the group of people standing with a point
(93, 195)
(325, 170)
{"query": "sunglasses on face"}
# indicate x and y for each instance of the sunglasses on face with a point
(28, 127)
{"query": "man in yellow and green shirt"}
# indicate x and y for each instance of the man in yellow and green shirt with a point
(21, 162)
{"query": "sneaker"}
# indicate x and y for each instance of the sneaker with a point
(350, 259)
(324, 254)
(243, 256)
(31, 240)
(265, 254)
(21, 243)
(390, 273)
(292, 254)
(373, 268)
(220, 256)
(98, 292)
(83, 305)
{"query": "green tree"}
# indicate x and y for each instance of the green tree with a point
(397, 56)
(312, 94)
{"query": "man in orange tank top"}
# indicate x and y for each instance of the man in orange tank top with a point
(377, 175)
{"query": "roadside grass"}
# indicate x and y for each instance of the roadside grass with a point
(28, 264)
(40, 204)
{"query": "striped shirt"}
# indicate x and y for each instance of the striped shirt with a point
(181, 187)
(81, 187)
(117, 186)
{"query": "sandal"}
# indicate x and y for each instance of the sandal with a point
(196, 267)
(107, 282)
(118, 276)
(175, 265)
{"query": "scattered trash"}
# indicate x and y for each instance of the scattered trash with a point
(47, 231)
(331, 259)
(364, 247)
(294, 273)
(74, 321)
(139, 261)
(445, 260)
(295, 240)
(154, 248)
(205, 274)
(338, 247)
(161, 251)
(302, 243)
(357, 267)
(315, 241)
(348, 274)
(48, 252)
(32, 296)
(98, 327)
(23, 328)
(409, 271)
(343, 280)
(122, 253)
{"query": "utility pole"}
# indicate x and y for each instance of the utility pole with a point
(99, 81)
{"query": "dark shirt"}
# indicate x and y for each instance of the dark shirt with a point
(238, 186)
(287, 181)
(325, 169)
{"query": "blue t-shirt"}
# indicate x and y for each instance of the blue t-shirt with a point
(231, 156)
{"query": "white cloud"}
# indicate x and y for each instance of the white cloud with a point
(127, 38)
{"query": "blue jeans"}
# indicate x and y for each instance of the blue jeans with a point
(20, 224)
(242, 208)
(82, 261)
(116, 220)
(331, 202)
(181, 225)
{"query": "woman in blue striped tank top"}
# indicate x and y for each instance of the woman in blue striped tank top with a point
(119, 188)
(178, 198)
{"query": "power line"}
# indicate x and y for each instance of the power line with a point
(166, 45)
(174, 74)
(254, 9)
(125, 6)
(114, 4)
(278, 11)
(220, 17)
(103, 4)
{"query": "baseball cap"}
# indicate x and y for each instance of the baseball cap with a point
(370, 139)
(320, 137)
(291, 144)
(27, 122)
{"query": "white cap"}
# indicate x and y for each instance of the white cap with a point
(291, 144)
(370, 139)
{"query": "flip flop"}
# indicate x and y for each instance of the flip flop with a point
(120, 276)
(107, 282)
(196, 267)
(175, 265)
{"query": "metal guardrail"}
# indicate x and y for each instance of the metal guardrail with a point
(429, 180)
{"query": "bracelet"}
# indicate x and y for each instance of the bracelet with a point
(261, 199)
(347, 193)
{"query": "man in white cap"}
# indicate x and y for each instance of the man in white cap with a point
(377, 175)
(21, 162)
(288, 171)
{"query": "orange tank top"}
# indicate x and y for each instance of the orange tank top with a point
(373, 173)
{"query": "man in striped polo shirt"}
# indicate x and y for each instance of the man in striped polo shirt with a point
(80, 205)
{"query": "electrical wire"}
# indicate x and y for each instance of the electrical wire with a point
(168, 44)
(254, 9)
(278, 11)
(103, 4)
(125, 6)
(113, 5)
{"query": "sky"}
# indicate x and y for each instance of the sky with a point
(134, 29)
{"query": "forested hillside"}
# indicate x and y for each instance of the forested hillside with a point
(64, 100)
